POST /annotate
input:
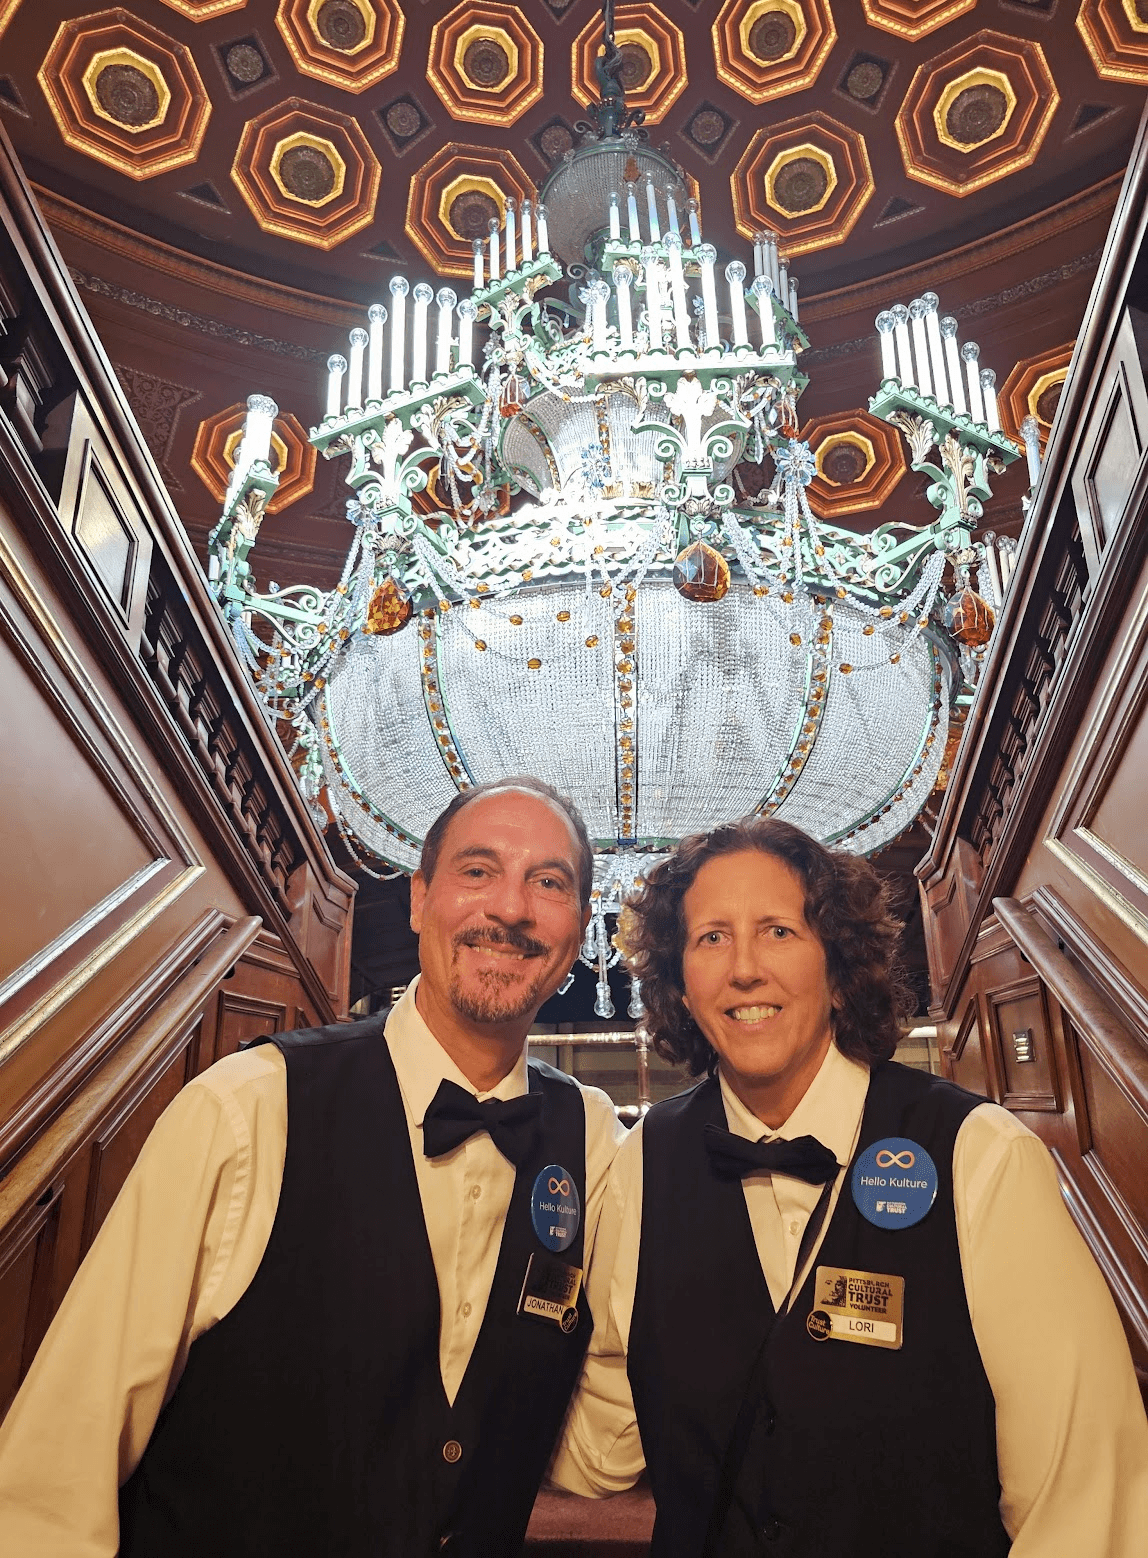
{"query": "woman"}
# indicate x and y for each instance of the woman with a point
(840, 1300)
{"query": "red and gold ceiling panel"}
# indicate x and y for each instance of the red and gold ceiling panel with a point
(653, 54)
(1115, 33)
(485, 63)
(218, 438)
(352, 44)
(124, 93)
(202, 10)
(859, 462)
(767, 48)
(307, 173)
(808, 179)
(1033, 389)
(976, 113)
(453, 199)
(913, 19)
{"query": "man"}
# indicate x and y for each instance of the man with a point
(336, 1308)
(841, 1302)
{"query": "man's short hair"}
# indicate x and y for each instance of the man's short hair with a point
(846, 906)
(532, 786)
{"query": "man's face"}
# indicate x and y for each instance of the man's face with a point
(500, 922)
(755, 977)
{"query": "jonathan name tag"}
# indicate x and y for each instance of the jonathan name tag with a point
(856, 1306)
(550, 1291)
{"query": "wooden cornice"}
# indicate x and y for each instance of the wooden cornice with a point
(983, 253)
(208, 275)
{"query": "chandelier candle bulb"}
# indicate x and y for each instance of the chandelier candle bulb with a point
(948, 328)
(989, 395)
(936, 348)
(707, 256)
(920, 346)
(652, 207)
(542, 230)
(399, 289)
(971, 353)
(599, 296)
(527, 240)
(423, 296)
(781, 285)
(673, 243)
(336, 367)
(735, 275)
(511, 256)
(622, 280)
(672, 211)
(377, 318)
(1030, 432)
(793, 297)
(885, 324)
(446, 300)
(256, 445)
(467, 313)
(492, 229)
(904, 351)
(654, 302)
(758, 255)
(762, 290)
(359, 339)
(615, 215)
(476, 247)
(695, 224)
(632, 213)
(772, 262)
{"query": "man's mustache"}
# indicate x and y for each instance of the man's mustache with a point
(501, 938)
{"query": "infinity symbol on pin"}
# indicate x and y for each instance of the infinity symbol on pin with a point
(887, 1159)
(559, 1187)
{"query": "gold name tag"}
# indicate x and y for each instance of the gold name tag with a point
(856, 1306)
(550, 1291)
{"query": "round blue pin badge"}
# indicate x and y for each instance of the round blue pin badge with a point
(894, 1182)
(555, 1207)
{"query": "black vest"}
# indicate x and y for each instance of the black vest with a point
(855, 1450)
(311, 1422)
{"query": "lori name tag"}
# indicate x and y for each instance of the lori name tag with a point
(894, 1183)
(550, 1291)
(555, 1208)
(856, 1306)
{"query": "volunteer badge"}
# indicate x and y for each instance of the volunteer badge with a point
(894, 1183)
(555, 1208)
(856, 1306)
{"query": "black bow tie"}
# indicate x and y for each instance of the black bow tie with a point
(454, 1115)
(734, 1156)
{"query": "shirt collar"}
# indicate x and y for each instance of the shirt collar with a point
(421, 1063)
(831, 1108)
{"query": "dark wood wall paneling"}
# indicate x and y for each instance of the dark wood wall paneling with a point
(165, 895)
(1035, 887)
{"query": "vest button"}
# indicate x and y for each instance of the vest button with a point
(771, 1530)
(770, 1419)
(452, 1451)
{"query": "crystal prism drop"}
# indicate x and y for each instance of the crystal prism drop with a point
(390, 608)
(700, 573)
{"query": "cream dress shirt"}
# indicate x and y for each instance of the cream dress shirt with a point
(1072, 1439)
(180, 1248)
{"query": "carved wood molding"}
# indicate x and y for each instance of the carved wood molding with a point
(164, 1026)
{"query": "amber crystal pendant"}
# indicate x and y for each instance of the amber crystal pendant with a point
(514, 392)
(969, 618)
(390, 608)
(700, 573)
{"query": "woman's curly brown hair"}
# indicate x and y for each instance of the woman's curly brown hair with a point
(846, 906)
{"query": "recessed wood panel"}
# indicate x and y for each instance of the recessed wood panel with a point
(79, 851)
(1118, 1133)
(105, 536)
(1119, 816)
(1018, 1015)
(966, 1057)
(26, 1257)
(118, 1144)
(245, 1017)
(1112, 449)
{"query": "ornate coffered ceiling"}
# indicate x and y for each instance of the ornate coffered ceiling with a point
(233, 180)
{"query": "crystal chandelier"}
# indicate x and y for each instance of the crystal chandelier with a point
(550, 571)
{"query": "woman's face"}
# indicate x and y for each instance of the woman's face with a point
(755, 979)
